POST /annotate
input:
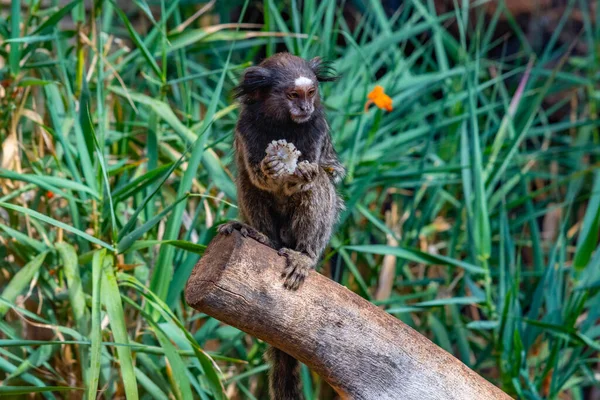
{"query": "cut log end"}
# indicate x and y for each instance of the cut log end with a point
(206, 274)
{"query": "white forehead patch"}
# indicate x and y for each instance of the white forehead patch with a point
(303, 81)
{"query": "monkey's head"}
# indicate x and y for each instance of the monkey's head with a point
(285, 87)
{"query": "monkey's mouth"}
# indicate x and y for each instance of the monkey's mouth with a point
(300, 118)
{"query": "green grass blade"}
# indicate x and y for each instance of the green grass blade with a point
(209, 367)
(53, 21)
(14, 57)
(21, 281)
(111, 298)
(133, 219)
(416, 256)
(15, 390)
(59, 224)
(96, 329)
(180, 244)
(76, 296)
(588, 237)
(24, 239)
(137, 40)
(130, 238)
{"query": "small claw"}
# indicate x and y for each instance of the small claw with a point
(283, 252)
(306, 171)
(259, 237)
(245, 230)
(300, 173)
(298, 266)
(225, 228)
(277, 167)
(288, 271)
(295, 282)
(295, 279)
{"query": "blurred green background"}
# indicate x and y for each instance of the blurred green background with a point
(473, 207)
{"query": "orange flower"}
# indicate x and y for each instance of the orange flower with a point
(49, 194)
(379, 98)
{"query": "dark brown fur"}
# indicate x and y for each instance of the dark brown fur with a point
(293, 213)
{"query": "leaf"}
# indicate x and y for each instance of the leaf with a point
(450, 300)
(440, 332)
(14, 390)
(178, 375)
(38, 180)
(53, 21)
(137, 40)
(111, 298)
(76, 295)
(24, 239)
(151, 387)
(180, 244)
(140, 183)
(483, 325)
(56, 223)
(128, 239)
(133, 219)
(416, 256)
(34, 82)
(208, 365)
(588, 238)
(181, 382)
(14, 57)
(96, 330)
(20, 281)
(160, 108)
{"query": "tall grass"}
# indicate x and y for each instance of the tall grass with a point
(472, 207)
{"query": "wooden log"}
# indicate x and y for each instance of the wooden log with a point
(360, 350)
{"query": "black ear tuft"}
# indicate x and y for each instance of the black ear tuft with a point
(254, 80)
(323, 70)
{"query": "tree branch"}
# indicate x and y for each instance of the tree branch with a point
(360, 350)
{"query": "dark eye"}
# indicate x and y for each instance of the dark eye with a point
(311, 92)
(292, 95)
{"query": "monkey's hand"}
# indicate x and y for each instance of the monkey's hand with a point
(246, 231)
(302, 180)
(273, 167)
(306, 172)
(298, 265)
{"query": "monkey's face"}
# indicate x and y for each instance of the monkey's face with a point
(300, 99)
(285, 87)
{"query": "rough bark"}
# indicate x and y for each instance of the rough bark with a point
(360, 350)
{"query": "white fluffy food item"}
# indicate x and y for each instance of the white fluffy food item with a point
(286, 152)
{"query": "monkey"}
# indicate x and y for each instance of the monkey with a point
(293, 213)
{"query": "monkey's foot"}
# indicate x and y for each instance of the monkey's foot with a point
(298, 266)
(246, 231)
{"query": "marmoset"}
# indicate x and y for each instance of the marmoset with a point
(291, 211)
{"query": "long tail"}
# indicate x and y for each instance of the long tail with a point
(284, 380)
